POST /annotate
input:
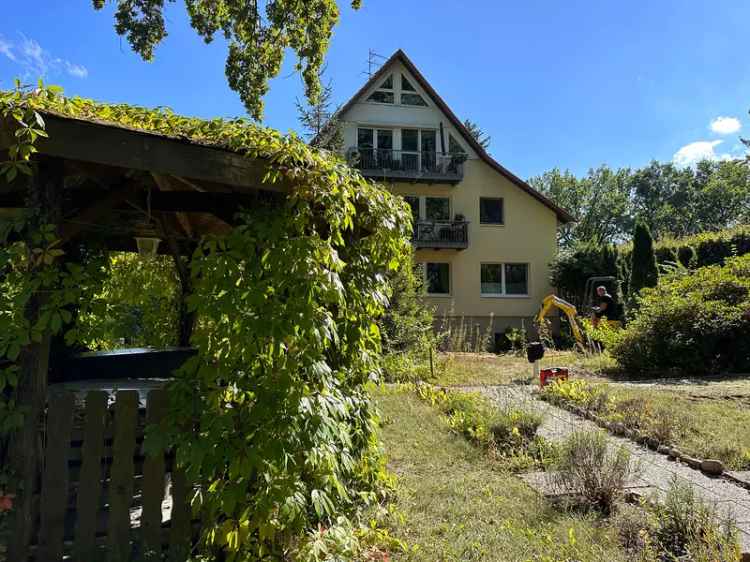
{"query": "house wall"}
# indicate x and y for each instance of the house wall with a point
(528, 236)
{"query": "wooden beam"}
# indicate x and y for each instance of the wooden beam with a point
(137, 150)
(165, 185)
(94, 213)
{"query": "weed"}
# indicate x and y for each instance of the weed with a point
(688, 527)
(591, 470)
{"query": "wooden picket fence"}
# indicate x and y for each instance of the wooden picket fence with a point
(100, 497)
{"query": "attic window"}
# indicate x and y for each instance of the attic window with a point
(384, 93)
(406, 85)
(412, 99)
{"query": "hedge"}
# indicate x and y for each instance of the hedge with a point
(572, 268)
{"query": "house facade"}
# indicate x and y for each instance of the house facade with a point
(484, 236)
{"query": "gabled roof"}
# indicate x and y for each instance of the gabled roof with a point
(400, 56)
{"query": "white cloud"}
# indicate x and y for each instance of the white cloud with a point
(77, 70)
(6, 48)
(36, 62)
(725, 125)
(691, 154)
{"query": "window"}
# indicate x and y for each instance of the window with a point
(412, 99)
(516, 279)
(365, 138)
(409, 95)
(384, 94)
(438, 278)
(492, 279)
(437, 208)
(490, 210)
(406, 85)
(385, 139)
(410, 140)
(510, 279)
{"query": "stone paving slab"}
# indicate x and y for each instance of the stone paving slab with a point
(657, 472)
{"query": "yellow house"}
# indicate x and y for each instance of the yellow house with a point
(486, 237)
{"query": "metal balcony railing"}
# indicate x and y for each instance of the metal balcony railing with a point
(441, 234)
(425, 165)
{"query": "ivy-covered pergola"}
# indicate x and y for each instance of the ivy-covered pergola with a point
(281, 250)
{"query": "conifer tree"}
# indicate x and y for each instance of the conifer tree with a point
(644, 271)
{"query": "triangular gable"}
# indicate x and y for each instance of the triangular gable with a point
(388, 68)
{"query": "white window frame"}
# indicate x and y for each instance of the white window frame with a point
(375, 130)
(504, 294)
(450, 279)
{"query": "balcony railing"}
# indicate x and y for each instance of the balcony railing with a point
(441, 234)
(395, 164)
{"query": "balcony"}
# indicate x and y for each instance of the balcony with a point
(386, 164)
(439, 235)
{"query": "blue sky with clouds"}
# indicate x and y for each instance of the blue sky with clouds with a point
(570, 84)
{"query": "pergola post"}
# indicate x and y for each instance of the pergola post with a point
(25, 448)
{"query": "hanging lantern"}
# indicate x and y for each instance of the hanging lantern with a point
(147, 246)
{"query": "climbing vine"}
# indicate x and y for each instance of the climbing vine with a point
(271, 420)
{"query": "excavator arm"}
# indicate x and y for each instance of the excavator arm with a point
(570, 311)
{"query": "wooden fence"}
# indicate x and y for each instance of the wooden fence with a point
(99, 496)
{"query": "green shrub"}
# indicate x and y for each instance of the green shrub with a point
(593, 471)
(690, 323)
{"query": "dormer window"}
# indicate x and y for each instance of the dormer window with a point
(384, 93)
(409, 95)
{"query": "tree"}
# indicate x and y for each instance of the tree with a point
(643, 270)
(479, 135)
(258, 33)
(319, 122)
(599, 202)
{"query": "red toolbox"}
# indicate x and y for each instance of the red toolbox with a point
(546, 376)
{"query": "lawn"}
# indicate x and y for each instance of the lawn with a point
(454, 502)
(711, 415)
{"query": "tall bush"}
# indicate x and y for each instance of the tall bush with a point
(643, 270)
(694, 323)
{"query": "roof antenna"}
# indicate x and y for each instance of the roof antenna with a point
(374, 61)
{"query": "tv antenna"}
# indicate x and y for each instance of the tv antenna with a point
(374, 61)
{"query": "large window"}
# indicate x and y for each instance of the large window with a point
(490, 210)
(438, 278)
(509, 279)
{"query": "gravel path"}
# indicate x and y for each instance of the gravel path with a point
(657, 471)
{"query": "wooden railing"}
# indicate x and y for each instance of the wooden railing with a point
(441, 234)
(428, 165)
(100, 497)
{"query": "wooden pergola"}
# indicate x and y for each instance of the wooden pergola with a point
(104, 184)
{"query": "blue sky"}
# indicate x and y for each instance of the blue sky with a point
(556, 84)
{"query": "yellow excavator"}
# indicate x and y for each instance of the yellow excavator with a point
(570, 311)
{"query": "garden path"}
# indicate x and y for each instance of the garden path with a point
(657, 471)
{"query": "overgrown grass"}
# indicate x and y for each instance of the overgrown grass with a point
(455, 502)
(704, 425)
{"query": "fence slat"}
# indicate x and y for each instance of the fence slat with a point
(55, 477)
(180, 532)
(90, 488)
(153, 483)
(123, 449)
